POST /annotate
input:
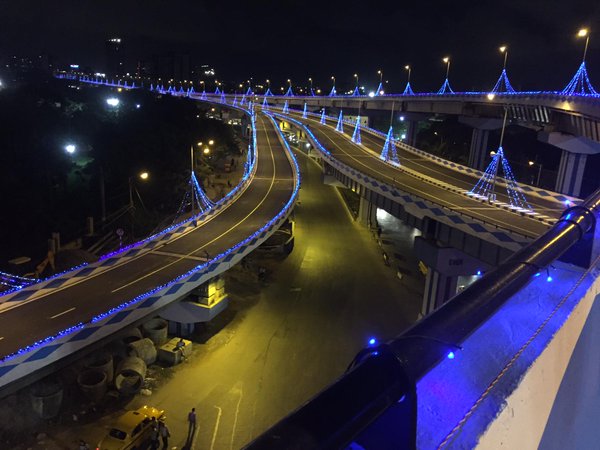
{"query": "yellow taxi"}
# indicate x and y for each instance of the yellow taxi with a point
(131, 430)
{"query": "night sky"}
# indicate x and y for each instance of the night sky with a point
(297, 39)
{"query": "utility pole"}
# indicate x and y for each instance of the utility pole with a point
(191, 178)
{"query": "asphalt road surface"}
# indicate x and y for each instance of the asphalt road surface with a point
(29, 321)
(322, 304)
(347, 152)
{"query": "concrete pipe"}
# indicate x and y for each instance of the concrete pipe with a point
(156, 329)
(144, 349)
(130, 374)
(104, 362)
(46, 399)
(92, 383)
(131, 335)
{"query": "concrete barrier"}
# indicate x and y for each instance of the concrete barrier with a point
(104, 362)
(46, 399)
(143, 349)
(156, 329)
(130, 374)
(92, 383)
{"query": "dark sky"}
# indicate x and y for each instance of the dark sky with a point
(298, 39)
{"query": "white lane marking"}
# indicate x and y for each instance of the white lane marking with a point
(237, 412)
(178, 255)
(222, 234)
(64, 312)
(214, 436)
(1, 338)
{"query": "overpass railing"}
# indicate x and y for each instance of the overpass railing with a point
(377, 397)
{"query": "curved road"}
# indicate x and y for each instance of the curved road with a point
(356, 156)
(28, 321)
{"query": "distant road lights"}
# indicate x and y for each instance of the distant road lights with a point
(211, 142)
(112, 101)
(70, 149)
(401, 118)
(144, 176)
(206, 150)
(491, 96)
(492, 153)
(137, 106)
(371, 94)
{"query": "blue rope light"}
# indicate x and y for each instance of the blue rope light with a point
(217, 91)
(356, 135)
(503, 85)
(340, 125)
(356, 92)
(305, 112)
(484, 188)
(249, 91)
(323, 116)
(203, 96)
(265, 105)
(235, 101)
(580, 84)
(243, 100)
(223, 100)
(445, 89)
(389, 153)
(379, 90)
(408, 90)
(289, 92)
(198, 268)
(286, 108)
(204, 203)
(333, 92)
(268, 92)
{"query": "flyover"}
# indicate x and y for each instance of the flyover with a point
(71, 311)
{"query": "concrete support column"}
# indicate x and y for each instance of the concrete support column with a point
(570, 173)
(438, 289)
(412, 128)
(479, 148)
(446, 266)
(572, 161)
(479, 141)
(367, 212)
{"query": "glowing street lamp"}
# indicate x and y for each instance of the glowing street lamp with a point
(144, 176)
(112, 101)
(380, 73)
(70, 149)
(408, 68)
(504, 49)
(310, 80)
(447, 61)
(584, 32)
(356, 76)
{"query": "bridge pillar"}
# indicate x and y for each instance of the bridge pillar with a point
(479, 139)
(572, 161)
(412, 128)
(448, 271)
(367, 212)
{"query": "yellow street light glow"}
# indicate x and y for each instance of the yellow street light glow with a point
(379, 72)
(206, 151)
(407, 67)
(491, 96)
(446, 59)
(211, 142)
(503, 48)
(356, 75)
(530, 163)
(144, 175)
(583, 32)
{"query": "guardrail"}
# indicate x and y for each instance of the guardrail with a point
(384, 377)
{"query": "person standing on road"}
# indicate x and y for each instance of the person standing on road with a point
(192, 424)
(163, 430)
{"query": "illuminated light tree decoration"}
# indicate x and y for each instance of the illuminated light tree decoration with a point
(446, 89)
(356, 135)
(265, 104)
(305, 111)
(286, 108)
(486, 186)
(340, 124)
(408, 90)
(243, 100)
(380, 87)
(503, 85)
(580, 84)
(235, 101)
(192, 91)
(203, 202)
(356, 91)
(268, 92)
(289, 92)
(151, 87)
(323, 117)
(333, 92)
(249, 91)
(203, 96)
(223, 100)
(217, 90)
(389, 153)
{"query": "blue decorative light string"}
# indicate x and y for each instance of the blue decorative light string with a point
(340, 124)
(196, 269)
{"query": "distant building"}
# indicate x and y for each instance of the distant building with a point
(176, 66)
(115, 64)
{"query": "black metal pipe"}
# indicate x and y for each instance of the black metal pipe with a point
(345, 408)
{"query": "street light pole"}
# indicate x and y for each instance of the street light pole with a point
(407, 67)
(191, 175)
(584, 32)
(504, 49)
